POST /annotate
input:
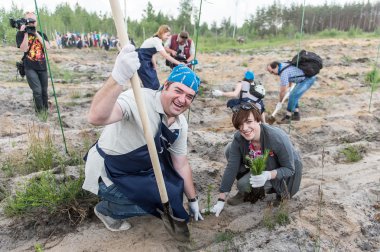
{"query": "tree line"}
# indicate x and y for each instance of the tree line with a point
(271, 21)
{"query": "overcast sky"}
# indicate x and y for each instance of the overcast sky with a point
(212, 10)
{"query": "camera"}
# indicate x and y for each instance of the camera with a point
(17, 23)
(180, 57)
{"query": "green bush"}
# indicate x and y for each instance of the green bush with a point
(352, 154)
(44, 194)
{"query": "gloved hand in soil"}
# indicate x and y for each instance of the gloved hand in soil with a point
(259, 180)
(217, 93)
(126, 64)
(194, 210)
(217, 208)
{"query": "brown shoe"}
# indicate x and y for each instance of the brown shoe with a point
(285, 120)
(236, 200)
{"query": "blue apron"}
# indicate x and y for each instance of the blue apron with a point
(147, 73)
(133, 174)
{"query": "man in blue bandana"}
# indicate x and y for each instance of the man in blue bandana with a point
(118, 168)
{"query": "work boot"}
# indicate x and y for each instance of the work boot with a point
(236, 200)
(112, 224)
(296, 116)
(284, 120)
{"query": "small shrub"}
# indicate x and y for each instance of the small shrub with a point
(352, 154)
(47, 195)
(373, 78)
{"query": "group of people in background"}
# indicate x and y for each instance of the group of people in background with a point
(118, 167)
(83, 40)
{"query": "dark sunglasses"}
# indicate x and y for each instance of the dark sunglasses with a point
(244, 106)
(183, 37)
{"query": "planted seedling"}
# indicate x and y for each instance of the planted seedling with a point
(208, 208)
(256, 166)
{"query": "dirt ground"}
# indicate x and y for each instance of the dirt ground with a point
(337, 207)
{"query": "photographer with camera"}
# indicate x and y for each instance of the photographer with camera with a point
(31, 43)
(180, 47)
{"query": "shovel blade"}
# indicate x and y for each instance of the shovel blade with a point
(270, 120)
(175, 226)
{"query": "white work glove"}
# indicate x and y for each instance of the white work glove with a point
(259, 180)
(194, 209)
(126, 64)
(217, 208)
(217, 93)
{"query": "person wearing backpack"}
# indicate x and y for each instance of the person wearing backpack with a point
(290, 75)
(247, 90)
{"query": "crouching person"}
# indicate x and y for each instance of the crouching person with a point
(283, 168)
(118, 167)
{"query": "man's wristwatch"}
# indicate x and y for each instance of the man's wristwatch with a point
(193, 199)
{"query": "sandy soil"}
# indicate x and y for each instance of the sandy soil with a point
(337, 207)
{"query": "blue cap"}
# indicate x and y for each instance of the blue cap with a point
(186, 76)
(249, 75)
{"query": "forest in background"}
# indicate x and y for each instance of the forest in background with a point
(273, 21)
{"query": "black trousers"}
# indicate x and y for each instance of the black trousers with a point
(38, 82)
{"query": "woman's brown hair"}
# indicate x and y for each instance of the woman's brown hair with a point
(162, 30)
(242, 115)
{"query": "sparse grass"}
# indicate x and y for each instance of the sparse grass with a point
(225, 236)
(346, 60)
(282, 214)
(75, 94)
(268, 220)
(273, 216)
(352, 153)
(7, 167)
(43, 115)
(42, 154)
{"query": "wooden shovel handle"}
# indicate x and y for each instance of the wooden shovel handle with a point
(121, 28)
(284, 99)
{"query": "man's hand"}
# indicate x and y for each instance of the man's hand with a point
(127, 63)
(217, 93)
(259, 180)
(194, 209)
(279, 106)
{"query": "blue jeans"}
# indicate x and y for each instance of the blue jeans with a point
(115, 204)
(298, 91)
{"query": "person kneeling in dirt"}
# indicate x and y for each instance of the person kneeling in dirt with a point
(247, 90)
(283, 168)
(118, 167)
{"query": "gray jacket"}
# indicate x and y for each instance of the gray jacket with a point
(283, 157)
